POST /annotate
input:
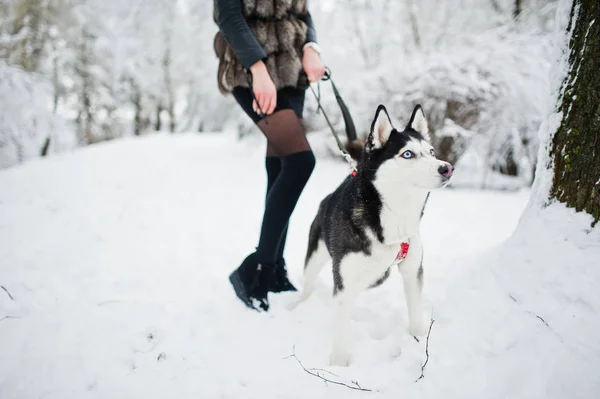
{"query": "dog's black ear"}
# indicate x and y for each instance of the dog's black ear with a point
(418, 122)
(381, 129)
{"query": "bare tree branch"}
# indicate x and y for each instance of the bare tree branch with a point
(10, 317)
(316, 373)
(426, 352)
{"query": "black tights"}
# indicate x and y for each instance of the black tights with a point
(289, 164)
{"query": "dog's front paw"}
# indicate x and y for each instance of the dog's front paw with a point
(418, 329)
(339, 358)
(292, 305)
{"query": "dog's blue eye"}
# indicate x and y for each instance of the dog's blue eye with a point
(407, 155)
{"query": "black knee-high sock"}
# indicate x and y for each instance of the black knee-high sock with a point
(273, 166)
(281, 201)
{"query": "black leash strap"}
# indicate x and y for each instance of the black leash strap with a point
(348, 122)
(260, 111)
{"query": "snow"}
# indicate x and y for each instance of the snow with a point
(117, 257)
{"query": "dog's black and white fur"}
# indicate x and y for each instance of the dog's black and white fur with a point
(361, 225)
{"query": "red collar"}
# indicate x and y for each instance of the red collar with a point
(403, 251)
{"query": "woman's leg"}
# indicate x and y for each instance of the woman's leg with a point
(273, 167)
(288, 98)
(287, 139)
(285, 181)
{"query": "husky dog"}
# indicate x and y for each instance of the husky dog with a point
(371, 222)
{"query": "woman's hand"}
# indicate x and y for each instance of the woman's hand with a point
(263, 88)
(311, 62)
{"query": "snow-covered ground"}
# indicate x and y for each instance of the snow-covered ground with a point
(116, 257)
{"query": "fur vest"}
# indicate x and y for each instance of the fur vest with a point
(279, 28)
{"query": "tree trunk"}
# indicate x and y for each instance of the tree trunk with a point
(45, 147)
(576, 144)
(158, 122)
(171, 111)
(166, 63)
(414, 23)
(55, 84)
(30, 25)
(518, 8)
(137, 119)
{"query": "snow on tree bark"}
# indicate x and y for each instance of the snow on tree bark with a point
(575, 146)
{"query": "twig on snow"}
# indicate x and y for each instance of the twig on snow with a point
(7, 293)
(543, 321)
(316, 373)
(531, 313)
(10, 317)
(426, 352)
(324, 371)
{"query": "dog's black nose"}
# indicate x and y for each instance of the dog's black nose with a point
(445, 170)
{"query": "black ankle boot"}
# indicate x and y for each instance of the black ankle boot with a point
(281, 283)
(264, 281)
(251, 282)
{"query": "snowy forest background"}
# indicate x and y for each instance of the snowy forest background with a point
(116, 250)
(78, 72)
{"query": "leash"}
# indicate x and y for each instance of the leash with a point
(348, 122)
(260, 111)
